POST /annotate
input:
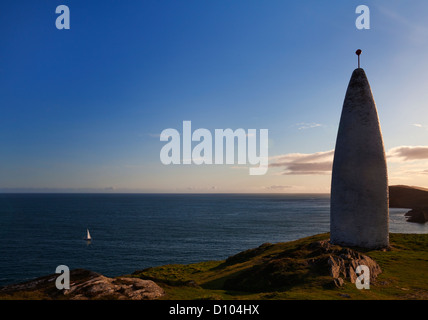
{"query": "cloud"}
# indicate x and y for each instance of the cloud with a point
(306, 125)
(412, 158)
(309, 168)
(197, 189)
(418, 125)
(408, 153)
(304, 164)
(277, 188)
(416, 172)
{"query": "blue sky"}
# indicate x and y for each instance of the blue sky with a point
(82, 109)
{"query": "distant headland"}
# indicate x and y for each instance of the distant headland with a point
(414, 198)
(308, 268)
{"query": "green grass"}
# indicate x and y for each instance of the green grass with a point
(404, 276)
(285, 271)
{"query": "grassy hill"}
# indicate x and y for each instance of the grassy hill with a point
(287, 271)
(404, 274)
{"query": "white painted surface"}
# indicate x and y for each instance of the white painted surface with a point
(359, 188)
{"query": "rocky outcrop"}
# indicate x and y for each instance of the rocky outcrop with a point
(303, 264)
(343, 263)
(417, 215)
(414, 198)
(86, 285)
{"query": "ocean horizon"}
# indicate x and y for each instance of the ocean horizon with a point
(133, 231)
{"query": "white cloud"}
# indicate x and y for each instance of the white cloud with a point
(306, 125)
(419, 125)
(408, 153)
(303, 163)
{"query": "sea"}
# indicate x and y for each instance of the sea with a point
(130, 232)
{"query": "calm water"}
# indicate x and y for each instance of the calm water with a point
(38, 232)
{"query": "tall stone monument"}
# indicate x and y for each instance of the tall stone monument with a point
(359, 213)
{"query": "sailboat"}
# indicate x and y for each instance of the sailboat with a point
(88, 235)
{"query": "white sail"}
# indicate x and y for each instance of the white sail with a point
(88, 236)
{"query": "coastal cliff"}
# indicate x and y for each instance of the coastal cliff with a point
(415, 198)
(401, 196)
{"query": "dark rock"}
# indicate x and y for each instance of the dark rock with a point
(417, 215)
(86, 285)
